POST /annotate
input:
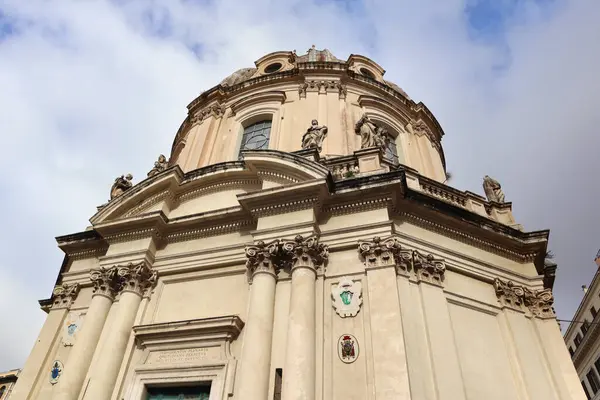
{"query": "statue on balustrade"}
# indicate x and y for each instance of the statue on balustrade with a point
(371, 135)
(159, 166)
(122, 184)
(493, 190)
(314, 136)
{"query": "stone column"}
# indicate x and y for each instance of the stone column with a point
(304, 255)
(258, 331)
(135, 280)
(105, 286)
(62, 298)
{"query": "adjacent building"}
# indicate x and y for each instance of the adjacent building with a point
(7, 381)
(583, 337)
(300, 243)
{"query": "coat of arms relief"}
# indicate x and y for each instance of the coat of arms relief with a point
(347, 297)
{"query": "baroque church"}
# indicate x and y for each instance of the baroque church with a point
(300, 243)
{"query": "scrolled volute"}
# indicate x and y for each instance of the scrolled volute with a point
(105, 281)
(262, 257)
(137, 278)
(428, 268)
(380, 252)
(538, 302)
(304, 252)
(63, 295)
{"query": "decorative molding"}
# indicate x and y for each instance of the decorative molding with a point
(290, 206)
(538, 302)
(258, 98)
(105, 281)
(277, 177)
(138, 278)
(64, 295)
(132, 235)
(215, 230)
(389, 252)
(357, 206)
(234, 184)
(149, 202)
(467, 238)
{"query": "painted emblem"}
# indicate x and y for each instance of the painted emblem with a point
(348, 348)
(347, 297)
(72, 326)
(56, 371)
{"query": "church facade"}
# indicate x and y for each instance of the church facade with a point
(300, 243)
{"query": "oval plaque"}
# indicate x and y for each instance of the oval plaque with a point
(56, 371)
(348, 348)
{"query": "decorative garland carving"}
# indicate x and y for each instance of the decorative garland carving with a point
(538, 302)
(216, 110)
(64, 295)
(389, 252)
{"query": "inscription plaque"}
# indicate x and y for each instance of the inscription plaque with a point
(183, 356)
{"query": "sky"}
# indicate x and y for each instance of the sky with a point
(93, 90)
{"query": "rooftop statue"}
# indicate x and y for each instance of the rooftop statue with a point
(159, 166)
(493, 190)
(371, 134)
(121, 184)
(314, 136)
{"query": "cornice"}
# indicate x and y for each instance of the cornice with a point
(262, 97)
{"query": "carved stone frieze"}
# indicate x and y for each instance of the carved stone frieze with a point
(64, 295)
(323, 86)
(215, 110)
(263, 258)
(304, 252)
(105, 281)
(538, 302)
(389, 252)
(137, 278)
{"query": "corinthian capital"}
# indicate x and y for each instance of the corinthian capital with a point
(64, 295)
(539, 302)
(428, 268)
(305, 252)
(382, 252)
(137, 278)
(105, 281)
(262, 258)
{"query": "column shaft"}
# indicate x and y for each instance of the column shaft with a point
(299, 367)
(258, 335)
(81, 354)
(107, 367)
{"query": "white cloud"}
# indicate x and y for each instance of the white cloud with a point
(93, 90)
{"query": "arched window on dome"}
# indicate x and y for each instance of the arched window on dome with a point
(256, 136)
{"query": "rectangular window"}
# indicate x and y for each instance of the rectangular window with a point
(592, 379)
(578, 339)
(594, 312)
(597, 364)
(585, 326)
(179, 393)
(585, 389)
(278, 384)
(571, 351)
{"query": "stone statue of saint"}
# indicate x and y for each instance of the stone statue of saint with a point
(493, 190)
(159, 166)
(121, 184)
(314, 136)
(371, 135)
